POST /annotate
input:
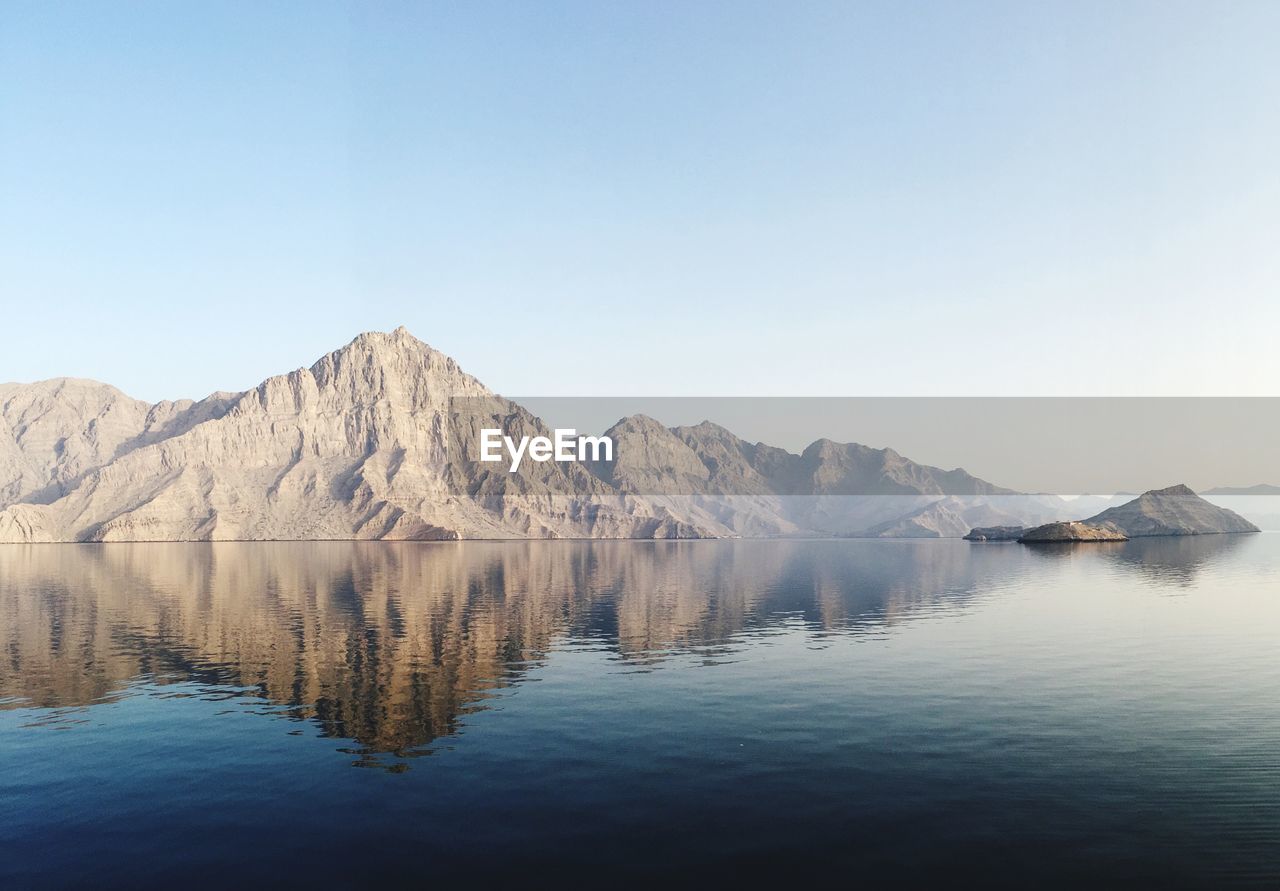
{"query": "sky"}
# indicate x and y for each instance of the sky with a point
(658, 198)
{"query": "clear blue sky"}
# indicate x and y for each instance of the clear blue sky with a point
(662, 198)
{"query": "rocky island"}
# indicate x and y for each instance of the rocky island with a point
(1176, 510)
(995, 533)
(1173, 511)
(1072, 531)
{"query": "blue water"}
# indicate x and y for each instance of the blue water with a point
(613, 712)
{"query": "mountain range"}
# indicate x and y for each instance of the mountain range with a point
(377, 440)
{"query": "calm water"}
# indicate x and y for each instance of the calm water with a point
(244, 714)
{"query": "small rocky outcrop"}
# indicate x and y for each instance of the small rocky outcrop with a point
(996, 533)
(1072, 531)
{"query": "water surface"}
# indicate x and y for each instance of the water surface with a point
(680, 712)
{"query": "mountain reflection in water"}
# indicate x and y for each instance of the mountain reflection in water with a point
(391, 645)
(910, 713)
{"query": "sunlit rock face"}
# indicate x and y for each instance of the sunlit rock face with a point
(393, 645)
(355, 447)
(379, 441)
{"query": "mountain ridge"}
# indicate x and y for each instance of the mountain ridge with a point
(377, 440)
(1259, 489)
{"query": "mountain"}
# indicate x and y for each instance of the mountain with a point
(721, 482)
(357, 446)
(708, 459)
(831, 488)
(53, 432)
(956, 517)
(1261, 489)
(1173, 511)
(379, 440)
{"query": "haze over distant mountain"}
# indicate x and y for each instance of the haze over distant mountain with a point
(378, 440)
(830, 488)
(1260, 489)
(1259, 504)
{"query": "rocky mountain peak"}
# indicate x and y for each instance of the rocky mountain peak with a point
(395, 367)
(639, 423)
(1180, 490)
(710, 429)
(1175, 510)
(394, 348)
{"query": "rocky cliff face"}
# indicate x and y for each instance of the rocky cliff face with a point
(54, 431)
(379, 440)
(1173, 511)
